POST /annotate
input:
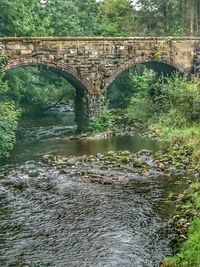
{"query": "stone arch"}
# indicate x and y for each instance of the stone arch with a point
(140, 60)
(82, 85)
(63, 69)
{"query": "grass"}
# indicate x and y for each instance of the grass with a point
(188, 135)
(189, 252)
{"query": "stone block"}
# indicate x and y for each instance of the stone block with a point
(51, 57)
(25, 52)
(16, 46)
(59, 57)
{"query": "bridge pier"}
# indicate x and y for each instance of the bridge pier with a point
(87, 106)
(96, 103)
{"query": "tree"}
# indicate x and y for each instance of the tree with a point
(8, 117)
(158, 17)
(35, 90)
(87, 14)
(64, 19)
(23, 18)
(117, 18)
(191, 16)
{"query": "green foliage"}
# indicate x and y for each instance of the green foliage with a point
(116, 18)
(183, 95)
(87, 14)
(138, 109)
(120, 91)
(103, 122)
(8, 117)
(141, 105)
(8, 125)
(23, 18)
(137, 80)
(105, 18)
(168, 101)
(143, 80)
(64, 19)
(35, 90)
(47, 18)
(189, 252)
(173, 118)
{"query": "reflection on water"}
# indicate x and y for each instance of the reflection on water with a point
(62, 146)
(49, 135)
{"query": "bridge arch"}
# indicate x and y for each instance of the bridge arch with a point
(140, 60)
(82, 86)
(63, 69)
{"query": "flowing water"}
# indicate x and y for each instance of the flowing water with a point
(52, 219)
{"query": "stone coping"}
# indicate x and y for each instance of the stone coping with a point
(85, 38)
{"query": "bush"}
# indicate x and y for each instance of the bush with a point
(8, 125)
(103, 122)
(182, 95)
(139, 109)
(171, 102)
(174, 118)
(8, 117)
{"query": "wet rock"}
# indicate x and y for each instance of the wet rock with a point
(172, 196)
(138, 163)
(110, 153)
(145, 152)
(181, 222)
(47, 158)
(34, 174)
(125, 153)
(162, 167)
(71, 161)
(189, 213)
(3, 193)
(181, 197)
(100, 156)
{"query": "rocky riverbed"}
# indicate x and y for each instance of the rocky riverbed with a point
(106, 209)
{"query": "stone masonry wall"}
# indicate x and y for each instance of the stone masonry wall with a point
(96, 60)
(94, 63)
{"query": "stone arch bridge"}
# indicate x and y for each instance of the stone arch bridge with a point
(91, 64)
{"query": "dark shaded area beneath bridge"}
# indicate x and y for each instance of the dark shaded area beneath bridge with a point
(81, 105)
(81, 94)
(121, 89)
(161, 68)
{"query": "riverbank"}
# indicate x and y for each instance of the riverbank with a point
(186, 226)
(186, 136)
(185, 144)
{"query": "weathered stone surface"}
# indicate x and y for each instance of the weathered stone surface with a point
(91, 64)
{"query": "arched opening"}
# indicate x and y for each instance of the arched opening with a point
(51, 83)
(119, 86)
(146, 94)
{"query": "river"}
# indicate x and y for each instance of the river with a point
(49, 218)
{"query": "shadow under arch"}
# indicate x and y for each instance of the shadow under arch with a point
(82, 86)
(141, 60)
